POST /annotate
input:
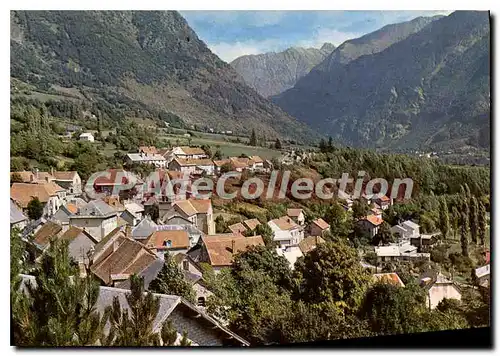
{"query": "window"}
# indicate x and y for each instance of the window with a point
(185, 265)
(201, 301)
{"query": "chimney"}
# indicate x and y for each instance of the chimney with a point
(51, 171)
(32, 178)
(47, 179)
(232, 247)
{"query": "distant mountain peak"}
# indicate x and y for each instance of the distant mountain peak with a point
(327, 47)
(274, 72)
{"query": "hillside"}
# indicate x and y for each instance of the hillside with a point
(139, 63)
(273, 73)
(430, 89)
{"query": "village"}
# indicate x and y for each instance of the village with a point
(118, 236)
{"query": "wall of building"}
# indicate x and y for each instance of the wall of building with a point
(96, 226)
(440, 291)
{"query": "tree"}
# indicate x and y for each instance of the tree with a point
(153, 210)
(170, 280)
(277, 144)
(474, 219)
(464, 233)
(391, 309)
(360, 208)
(250, 302)
(217, 155)
(227, 167)
(35, 209)
(444, 218)
(331, 273)
(134, 326)
(481, 222)
(266, 232)
(322, 145)
(266, 260)
(384, 235)
(15, 178)
(253, 139)
(305, 323)
(455, 221)
(48, 315)
(220, 225)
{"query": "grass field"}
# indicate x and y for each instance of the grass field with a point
(227, 148)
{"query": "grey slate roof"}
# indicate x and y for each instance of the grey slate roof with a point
(107, 294)
(16, 215)
(411, 224)
(144, 229)
(149, 274)
(96, 208)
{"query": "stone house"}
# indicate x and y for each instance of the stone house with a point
(69, 180)
(286, 232)
(198, 211)
(297, 215)
(218, 250)
(318, 227)
(48, 193)
(192, 166)
(96, 217)
(438, 287)
(370, 224)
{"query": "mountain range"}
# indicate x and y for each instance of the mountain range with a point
(420, 84)
(140, 63)
(273, 73)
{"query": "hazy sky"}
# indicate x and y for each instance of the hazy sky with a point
(231, 34)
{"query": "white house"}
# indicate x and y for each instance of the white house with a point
(483, 275)
(69, 180)
(291, 253)
(187, 152)
(192, 166)
(438, 287)
(86, 136)
(133, 213)
(155, 159)
(97, 218)
(406, 230)
(399, 252)
(286, 232)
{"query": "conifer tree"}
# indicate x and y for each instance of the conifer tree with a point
(277, 144)
(455, 220)
(170, 280)
(464, 234)
(253, 139)
(185, 341)
(473, 219)
(444, 218)
(481, 222)
(58, 309)
(134, 326)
